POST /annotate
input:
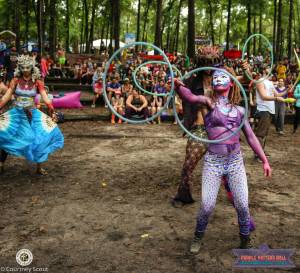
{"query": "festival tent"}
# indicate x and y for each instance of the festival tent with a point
(106, 42)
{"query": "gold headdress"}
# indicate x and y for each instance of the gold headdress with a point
(26, 60)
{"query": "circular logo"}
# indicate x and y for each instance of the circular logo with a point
(24, 257)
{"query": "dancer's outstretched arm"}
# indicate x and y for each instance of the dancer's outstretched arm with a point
(187, 95)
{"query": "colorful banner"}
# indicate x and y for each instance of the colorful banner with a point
(129, 38)
(232, 54)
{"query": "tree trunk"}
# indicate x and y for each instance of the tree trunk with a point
(116, 28)
(112, 7)
(211, 22)
(157, 39)
(91, 36)
(149, 2)
(279, 31)
(16, 28)
(108, 26)
(282, 44)
(67, 26)
(248, 24)
(27, 18)
(254, 31)
(52, 28)
(166, 15)
(290, 27)
(191, 29)
(260, 30)
(275, 30)
(178, 25)
(86, 26)
(38, 16)
(168, 42)
(228, 24)
(81, 30)
(7, 11)
(294, 28)
(45, 12)
(105, 20)
(138, 23)
(298, 17)
(221, 24)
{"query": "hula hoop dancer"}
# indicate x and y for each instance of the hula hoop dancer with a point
(199, 84)
(24, 130)
(224, 159)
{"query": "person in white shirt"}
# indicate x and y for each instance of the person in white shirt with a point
(266, 95)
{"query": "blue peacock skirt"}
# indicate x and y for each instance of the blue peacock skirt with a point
(30, 134)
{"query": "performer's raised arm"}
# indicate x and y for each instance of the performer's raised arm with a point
(187, 95)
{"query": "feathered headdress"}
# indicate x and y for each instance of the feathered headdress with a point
(208, 55)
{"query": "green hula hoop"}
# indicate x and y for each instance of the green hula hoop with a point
(170, 95)
(213, 141)
(272, 56)
(144, 64)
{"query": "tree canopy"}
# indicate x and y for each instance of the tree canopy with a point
(71, 23)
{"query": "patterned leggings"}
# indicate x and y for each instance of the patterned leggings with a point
(232, 167)
(194, 152)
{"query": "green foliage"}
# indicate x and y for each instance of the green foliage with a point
(238, 32)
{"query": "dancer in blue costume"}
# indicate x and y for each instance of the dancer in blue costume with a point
(24, 130)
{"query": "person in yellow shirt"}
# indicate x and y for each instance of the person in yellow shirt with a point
(281, 71)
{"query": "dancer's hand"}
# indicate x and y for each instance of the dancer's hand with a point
(245, 65)
(279, 99)
(267, 169)
(178, 82)
(54, 117)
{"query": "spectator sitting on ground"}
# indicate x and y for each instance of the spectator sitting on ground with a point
(160, 88)
(97, 74)
(161, 74)
(126, 88)
(56, 72)
(114, 74)
(113, 87)
(90, 63)
(87, 78)
(82, 70)
(98, 90)
(136, 104)
(118, 104)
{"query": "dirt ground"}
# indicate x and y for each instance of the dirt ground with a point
(105, 206)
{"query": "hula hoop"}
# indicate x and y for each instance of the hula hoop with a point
(170, 95)
(211, 141)
(272, 57)
(144, 90)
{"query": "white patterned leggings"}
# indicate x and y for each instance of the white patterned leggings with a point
(215, 167)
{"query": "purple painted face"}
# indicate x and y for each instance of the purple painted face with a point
(221, 81)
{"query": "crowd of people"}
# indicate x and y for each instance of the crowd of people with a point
(129, 101)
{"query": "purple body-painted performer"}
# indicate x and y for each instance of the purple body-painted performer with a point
(224, 159)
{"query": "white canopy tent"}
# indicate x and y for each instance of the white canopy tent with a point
(106, 42)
